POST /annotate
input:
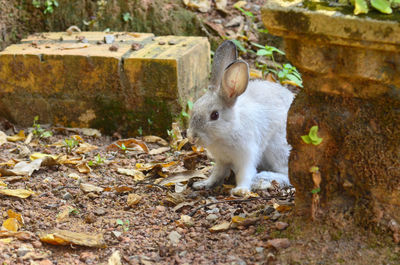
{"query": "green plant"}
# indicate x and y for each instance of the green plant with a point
(289, 72)
(140, 130)
(126, 17)
(125, 225)
(48, 5)
(70, 144)
(98, 160)
(38, 131)
(122, 147)
(363, 6)
(312, 137)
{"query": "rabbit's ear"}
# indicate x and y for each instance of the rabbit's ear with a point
(225, 54)
(234, 81)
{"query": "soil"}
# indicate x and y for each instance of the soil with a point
(151, 231)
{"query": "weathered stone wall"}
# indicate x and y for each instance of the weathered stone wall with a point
(160, 17)
(351, 75)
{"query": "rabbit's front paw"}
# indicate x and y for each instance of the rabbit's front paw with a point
(203, 184)
(240, 191)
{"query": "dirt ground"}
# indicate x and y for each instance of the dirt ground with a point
(134, 205)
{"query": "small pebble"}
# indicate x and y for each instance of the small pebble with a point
(172, 42)
(109, 39)
(281, 225)
(212, 217)
(161, 43)
(136, 46)
(114, 48)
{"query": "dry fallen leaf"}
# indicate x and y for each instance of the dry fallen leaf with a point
(21, 235)
(155, 139)
(10, 224)
(220, 227)
(3, 138)
(85, 148)
(244, 221)
(73, 160)
(83, 168)
(185, 221)
(115, 259)
(20, 193)
(182, 177)
(160, 150)
(22, 168)
(18, 137)
(133, 199)
(86, 187)
(221, 4)
(64, 214)
(173, 198)
(130, 144)
(278, 243)
(7, 240)
(64, 237)
(35, 156)
(282, 207)
(136, 174)
(201, 5)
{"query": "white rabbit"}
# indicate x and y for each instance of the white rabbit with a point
(242, 124)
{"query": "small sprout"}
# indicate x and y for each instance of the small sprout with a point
(125, 225)
(38, 131)
(98, 160)
(122, 147)
(314, 169)
(140, 130)
(70, 144)
(315, 191)
(312, 137)
(190, 105)
(185, 114)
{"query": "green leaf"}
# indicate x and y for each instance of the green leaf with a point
(46, 134)
(313, 135)
(263, 52)
(381, 5)
(314, 169)
(190, 104)
(120, 222)
(185, 114)
(314, 191)
(306, 139)
(36, 118)
(258, 45)
(263, 31)
(239, 45)
(361, 7)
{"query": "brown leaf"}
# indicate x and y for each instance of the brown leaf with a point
(21, 235)
(133, 199)
(115, 259)
(136, 174)
(182, 177)
(85, 148)
(86, 187)
(130, 144)
(22, 168)
(65, 237)
(83, 168)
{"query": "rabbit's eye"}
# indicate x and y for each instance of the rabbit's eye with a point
(214, 115)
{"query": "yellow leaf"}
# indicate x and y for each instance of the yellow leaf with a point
(35, 156)
(6, 240)
(136, 174)
(11, 224)
(10, 163)
(64, 237)
(282, 208)
(20, 193)
(77, 138)
(18, 137)
(133, 199)
(238, 219)
(182, 143)
(12, 214)
(256, 74)
(290, 82)
(150, 166)
(220, 227)
(69, 160)
(2, 184)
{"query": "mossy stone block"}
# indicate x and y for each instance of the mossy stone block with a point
(138, 81)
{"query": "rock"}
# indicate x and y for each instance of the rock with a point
(212, 217)
(174, 237)
(259, 250)
(22, 251)
(109, 39)
(67, 196)
(281, 225)
(278, 243)
(234, 22)
(99, 211)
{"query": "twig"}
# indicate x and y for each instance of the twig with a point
(218, 202)
(152, 184)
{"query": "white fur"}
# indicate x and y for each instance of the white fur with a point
(248, 137)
